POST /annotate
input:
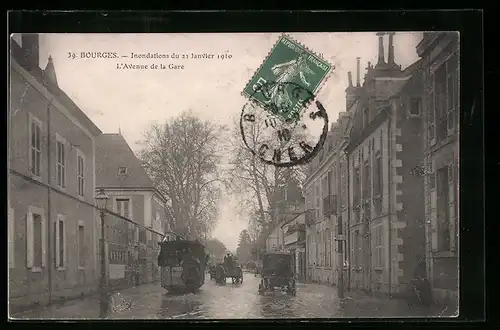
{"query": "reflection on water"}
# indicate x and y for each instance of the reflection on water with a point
(277, 305)
(180, 305)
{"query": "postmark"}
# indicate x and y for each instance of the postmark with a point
(281, 142)
(289, 65)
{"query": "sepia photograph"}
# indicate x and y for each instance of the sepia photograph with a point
(239, 176)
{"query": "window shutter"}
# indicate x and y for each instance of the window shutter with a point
(29, 240)
(432, 114)
(58, 247)
(451, 206)
(433, 212)
(65, 244)
(44, 241)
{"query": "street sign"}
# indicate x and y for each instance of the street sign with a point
(340, 238)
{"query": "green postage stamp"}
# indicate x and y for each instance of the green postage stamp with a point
(287, 79)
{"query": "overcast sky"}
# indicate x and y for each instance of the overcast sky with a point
(131, 99)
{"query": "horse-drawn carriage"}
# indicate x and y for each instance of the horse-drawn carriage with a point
(228, 269)
(182, 265)
(277, 272)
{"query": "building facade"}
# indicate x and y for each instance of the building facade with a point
(293, 229)
(386, 204)
(51, 148)
(439, 52)
(137, 219)
(326, 245)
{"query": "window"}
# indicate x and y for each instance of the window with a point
(331, 187)
(318, 197)
(377, 184)
(357, 186)
(443, 216)
(431, 128)
(366, 180)
(36, 239)
(82, 248)
(343, 180)
(36, 147)
(415, 106)
(445, 99)
(123, 207)
(357, 249)
(11, 221)
(60, 162)
(316, 239)
(440, 102)
(329, 248)
(366, 117)
(60, 246)
(122, 170)
(378, 247)
(308, 248)
(157, 220)
(80, 170)
(142, 236)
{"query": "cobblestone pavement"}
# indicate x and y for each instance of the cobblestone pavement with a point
(235, 301)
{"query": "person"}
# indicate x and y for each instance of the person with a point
(228, 260)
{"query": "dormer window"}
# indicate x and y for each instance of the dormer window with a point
(122, 170)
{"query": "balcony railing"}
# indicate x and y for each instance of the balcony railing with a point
(330, 205)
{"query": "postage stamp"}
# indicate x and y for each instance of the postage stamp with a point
(288, 62)
(284, 143)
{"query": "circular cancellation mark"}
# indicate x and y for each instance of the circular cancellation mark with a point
(281, 136)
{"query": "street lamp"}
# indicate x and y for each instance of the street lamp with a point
(102, 201)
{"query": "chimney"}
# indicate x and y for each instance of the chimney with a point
(358, 73)
(30, 45)
(349, 76)
(390, 57)
(49, 72)
(380, 36)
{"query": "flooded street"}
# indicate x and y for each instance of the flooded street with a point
(235, 301)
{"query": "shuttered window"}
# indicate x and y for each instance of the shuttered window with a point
(35, 147)
(60, 240)
(378, 247)
(82, 247)
(36, 239)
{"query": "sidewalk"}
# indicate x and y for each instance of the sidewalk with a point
(88, 308)
(388, 307)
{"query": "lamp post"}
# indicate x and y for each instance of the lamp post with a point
(102, 200)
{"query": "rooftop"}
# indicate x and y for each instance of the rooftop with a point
(113, 153)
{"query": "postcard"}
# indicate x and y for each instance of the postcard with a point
(233, 175)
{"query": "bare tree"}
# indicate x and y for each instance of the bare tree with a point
(182, 158)
(256, 182)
